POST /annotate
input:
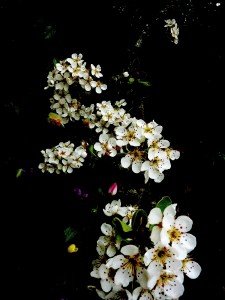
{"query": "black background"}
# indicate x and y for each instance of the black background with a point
(186, 98)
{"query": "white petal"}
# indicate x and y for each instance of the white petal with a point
(168, 222)
(106, 229)
(87, 87)
(120, 130)
(155, 234)
(137, 292)
(152, 281)
(97, 146)
(146, 165)
(153, 173)
(103, 138)
(98, 90)
(179, 251)
(148, 256)
(112, 142)
(192, 269)
(112, 153)
(130, 250)
(174, 289)
(188, 241)
(183, 223)
(155, 216)
(174, 154)
(100, 248)
(159, 178)
(141, 123)
(126, 161)
(164, 236)
(170, 210)
(95, 273)
(106, 285)
(164, 144)
(116, 262)
(136, 166)
(121, 143)
(111, 250)
(151, 153)
(100, 293)
(146, 176)
(173, 264)
(103, 271)
(135, 143)
(122, 277)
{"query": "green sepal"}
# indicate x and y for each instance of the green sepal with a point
(121, 239)
(91, 149)
(139, 218)
(164, 202)
(55, 61)
(121, 225)
(151, 227)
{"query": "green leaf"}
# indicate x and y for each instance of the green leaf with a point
(69, 233)
(19, 173)
(140, 218)
(123, 226)
(164, 202)
(145, 83)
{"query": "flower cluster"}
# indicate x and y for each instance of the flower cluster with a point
(63, 157)
(73, 70)
(144, 256)
(141, 144)
(174, 29)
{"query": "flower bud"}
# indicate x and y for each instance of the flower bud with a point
(72, 248)
(113, 189)
(125, 74)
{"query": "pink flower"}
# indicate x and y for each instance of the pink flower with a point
(113, 189)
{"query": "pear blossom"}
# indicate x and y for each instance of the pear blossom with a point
(152, 131)
(128, 264)
(96, 71)
(133, 159)
(109, 239)
(98, 86)
(106, 145)
(175, 233)
(114, 208)
(164, 283)
(162, 256)
(106, 278)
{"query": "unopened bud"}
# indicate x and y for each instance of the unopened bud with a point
(113, 189)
